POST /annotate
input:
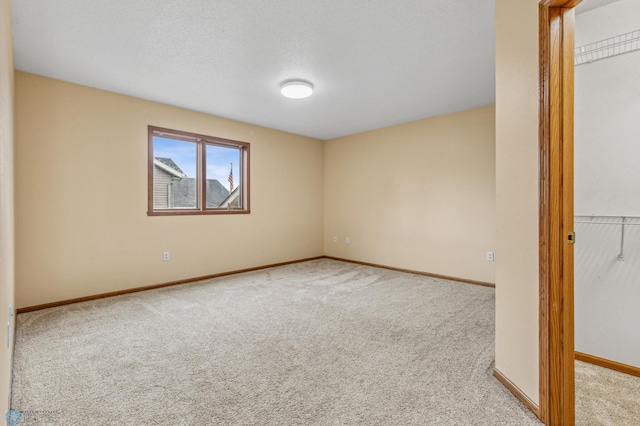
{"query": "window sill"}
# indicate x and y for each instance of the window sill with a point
(197, 212)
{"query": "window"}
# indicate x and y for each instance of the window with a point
(196, 174)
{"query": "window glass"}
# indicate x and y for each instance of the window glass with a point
(223, 174)
(175, 178)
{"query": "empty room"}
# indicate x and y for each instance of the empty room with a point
(291, 212)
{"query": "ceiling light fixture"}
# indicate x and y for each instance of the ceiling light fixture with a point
(296, 89)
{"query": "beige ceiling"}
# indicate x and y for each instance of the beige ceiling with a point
(374, 63)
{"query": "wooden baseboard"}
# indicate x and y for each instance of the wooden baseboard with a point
(155, 286)
(409, 271)
(612, 365)
(517, 392)
(239, 271)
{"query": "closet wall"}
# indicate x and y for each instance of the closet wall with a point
(607, 190)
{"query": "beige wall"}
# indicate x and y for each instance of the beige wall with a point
(419, 195)
(517, 193)
(6, 200)
(81, 167)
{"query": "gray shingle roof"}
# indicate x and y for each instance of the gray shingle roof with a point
(170, 163)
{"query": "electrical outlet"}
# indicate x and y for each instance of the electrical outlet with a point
(490, 256)
(335, 239)
(347, 240)
(165, 256)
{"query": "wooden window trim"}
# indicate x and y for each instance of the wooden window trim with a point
(201, 141)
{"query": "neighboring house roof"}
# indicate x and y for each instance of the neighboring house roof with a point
(233, 196)
(216, 193)
(173, 189)
(169, 166)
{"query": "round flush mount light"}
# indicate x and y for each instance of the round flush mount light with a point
(296, 89)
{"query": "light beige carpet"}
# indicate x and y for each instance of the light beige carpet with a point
(606, 397)
(315, 343)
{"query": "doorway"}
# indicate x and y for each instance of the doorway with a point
(607, 208)
(557, 375)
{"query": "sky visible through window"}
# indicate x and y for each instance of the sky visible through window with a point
(219, 159)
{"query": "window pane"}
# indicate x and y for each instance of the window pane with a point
(223, 177)
(174, 174)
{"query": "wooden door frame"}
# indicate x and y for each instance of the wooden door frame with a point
(557, 387)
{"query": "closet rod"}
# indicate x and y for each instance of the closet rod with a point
(623, 224)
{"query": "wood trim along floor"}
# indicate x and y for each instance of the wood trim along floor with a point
(239, 271)
(409, 271)
(606, 363)
(154, 286)
(517, 392)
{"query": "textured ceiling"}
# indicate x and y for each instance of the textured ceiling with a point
(588, 5)
(374, 63)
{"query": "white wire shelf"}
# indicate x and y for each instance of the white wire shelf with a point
(607, 220)
(623, 221)
(614, 46)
